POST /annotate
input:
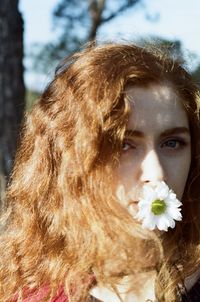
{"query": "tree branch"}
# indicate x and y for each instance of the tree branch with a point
(96, 10)
(120, 10)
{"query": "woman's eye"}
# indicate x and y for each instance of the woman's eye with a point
(173, 144)
(126, 145)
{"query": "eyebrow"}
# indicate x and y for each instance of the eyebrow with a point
(171, 131)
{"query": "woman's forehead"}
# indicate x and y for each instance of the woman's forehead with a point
(156, 106)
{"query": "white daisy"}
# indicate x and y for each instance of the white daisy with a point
(159, 207)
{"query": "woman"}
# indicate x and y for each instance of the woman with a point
(116, 121)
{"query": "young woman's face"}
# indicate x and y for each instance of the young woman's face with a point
(157, 143)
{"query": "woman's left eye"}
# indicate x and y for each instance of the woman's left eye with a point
(127, 145)
(173, 144)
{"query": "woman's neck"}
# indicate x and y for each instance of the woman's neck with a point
(137, 288)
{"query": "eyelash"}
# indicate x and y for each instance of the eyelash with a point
(129, 143)
(181, 143)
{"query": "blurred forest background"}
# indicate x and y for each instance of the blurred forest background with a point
(76, 22)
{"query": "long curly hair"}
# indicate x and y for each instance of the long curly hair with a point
(62, 224)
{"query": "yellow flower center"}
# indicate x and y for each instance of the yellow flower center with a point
(158, 207)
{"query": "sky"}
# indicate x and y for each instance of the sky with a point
(173, 19)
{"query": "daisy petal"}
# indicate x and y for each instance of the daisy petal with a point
(159, 194)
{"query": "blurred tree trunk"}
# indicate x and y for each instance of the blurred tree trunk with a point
(12, 89)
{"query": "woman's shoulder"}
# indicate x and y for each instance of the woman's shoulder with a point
(60, 297)
(40, 294)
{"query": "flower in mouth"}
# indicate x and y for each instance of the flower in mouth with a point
(158, 207)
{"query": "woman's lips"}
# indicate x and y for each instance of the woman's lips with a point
(133, 202)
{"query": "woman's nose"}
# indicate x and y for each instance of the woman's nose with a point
(151, 168)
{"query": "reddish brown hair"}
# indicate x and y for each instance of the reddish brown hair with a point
(62, 221)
